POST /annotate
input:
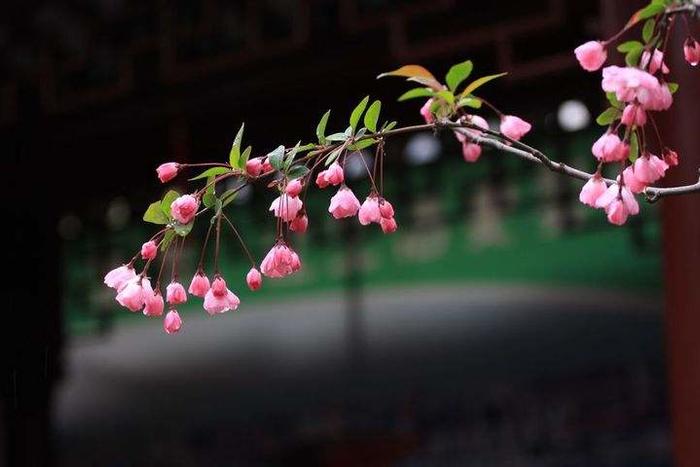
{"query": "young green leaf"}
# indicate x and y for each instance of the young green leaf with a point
(612, 98)
(629, 46)
(357, 113)
(389, 125)
(244, 157)
(653, 9)
(416, 92)
(334, 155)
(365, 143)
(212, 171)
(276, 157)
(473, 102)
(648, 29)
(634, 147)
(458, 73)
(474, 85)
(633, 56)
(235, 153)
(155, 215)
(672, 87)
(291, 155)
(608, 116)
(228, 197)
(183, 229)
(209, 198)
(447, 96)
(337, 137)
(167, 200)
(167, 239)
(372, 115)
(297, 171)
(409, 71)
(321, 127)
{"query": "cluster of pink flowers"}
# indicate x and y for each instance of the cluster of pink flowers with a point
(639, 90)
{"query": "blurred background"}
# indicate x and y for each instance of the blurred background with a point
(503, 325)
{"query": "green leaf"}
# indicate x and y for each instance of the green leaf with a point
(473, 102)
(212, 171)
(276, 157)
(334, 155)
(416, 92)
(648, 29)
(235, 153)
(357, 113)
(183, 229)
(447, 96)
(365, 143)
(409, 71)
(458, 73)
(167, 239)
(634, 147)
(155, 215)
(673, 87)
(653, 9)
(337, 137)
(474, 85)
(629, 46)
(244, 157)
(389, 126)
(291, 155)
(228, 197)
(612, 98)
(372, 115)
(297, 171)
(209, 198)
(608, 116)
(321, 127)
(632, 57)
(167, 200)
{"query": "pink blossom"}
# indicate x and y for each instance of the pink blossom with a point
(619, 203)
(426, 113)
(321, 179)
(388, 225)
(609, 148)
(172, 322)
(286, 207)
(175, 293)
(649, 168)
(670, 157)
(117, 278)
(334, 174)
(149, 250)
(369, 211)
(266, 165)
(344, 203)
(514, 127)
(294, 187)
(386, 209)
(629, 83)
(592, 190)
(131, 295)
(253, 279)
(631, 181)
(300, 223)
(254, 166)
(280, 261)
(691, 51)
(471, 151)
(654, 61)
(153, 300)
(219, 298)
(591, 55)
(634, 115)
(167, 171)
(199, 285)
(184, 208)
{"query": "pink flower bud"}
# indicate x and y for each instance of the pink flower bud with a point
(149, 250)
(388, 225)
(471, 151)
(426, 113)
(294, 187)
(514, 127)
(254, 279)
(670, 157)
(591, 191)
(386, 209)
(267, 166)
(219, 298)
(175, 293)
(184, 209)
(591, 55)
(299, 224)
(117, 278)
(609, 148)
(321, 179)
(167, 171)
(153, 300)
(199, 285)
(619, 203)
(172, 322)
(254, 167)
(369, 211)
(634, 115)
(344, 203)
(631, 181)
(286, 207)
(280, 261)
(649, 168)
(654, 61)
(131, 295)
(334, 174)
(691, 51)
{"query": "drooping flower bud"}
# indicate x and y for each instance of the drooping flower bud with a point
(219, 298)
(691, 51)
(184, 209)
(175, 293)
(609, 148)
(591, 55)
(344, 203)
(149, 250)
(514, 127)
(286, 207)
(199, 285)
(167, 171)
(253, 279)
(294, 187)
(592, 190)
(118, 277)
(172, 322)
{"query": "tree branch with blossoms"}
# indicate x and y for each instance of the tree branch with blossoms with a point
(635, 93)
